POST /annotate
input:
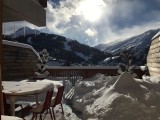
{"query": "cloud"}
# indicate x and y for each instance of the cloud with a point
(58, 17)
(91, 32)
(120, 19)
(128, 32)
(129, 18)
(65, 20)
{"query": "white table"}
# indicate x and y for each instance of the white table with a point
(20, 89)
(4, 117)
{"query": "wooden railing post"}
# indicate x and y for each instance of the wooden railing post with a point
(72, 73)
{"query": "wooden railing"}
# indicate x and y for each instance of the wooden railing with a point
(73, 73)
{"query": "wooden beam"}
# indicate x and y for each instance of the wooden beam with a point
(1, 100)
(43, 3)
(28, 10)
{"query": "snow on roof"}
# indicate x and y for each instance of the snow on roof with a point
(22, 45)
(158, 34)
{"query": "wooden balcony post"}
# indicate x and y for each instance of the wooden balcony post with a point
(1, 100)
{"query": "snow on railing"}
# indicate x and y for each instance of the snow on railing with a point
(22, 45)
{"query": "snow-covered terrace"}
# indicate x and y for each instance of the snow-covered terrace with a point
(106, 95)
(71, 73)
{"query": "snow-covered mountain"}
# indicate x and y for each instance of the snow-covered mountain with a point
(65, 49)
(25, 31)
(59, 47)
(139, 46)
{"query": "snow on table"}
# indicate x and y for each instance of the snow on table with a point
(25, 88)
(4, 117)
(15, 89)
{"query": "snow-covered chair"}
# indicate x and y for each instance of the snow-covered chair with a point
(57, 100)
(42, 107)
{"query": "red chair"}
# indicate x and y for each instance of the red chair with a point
(57, 100)
(42, 107)
(7, 106)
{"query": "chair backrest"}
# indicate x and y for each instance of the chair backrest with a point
(47, 101)
(59, 95)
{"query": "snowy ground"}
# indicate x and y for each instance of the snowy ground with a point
(113, 98)
(118, 98)
(68, 115)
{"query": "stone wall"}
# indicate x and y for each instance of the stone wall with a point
(153, 58)
(18, 61)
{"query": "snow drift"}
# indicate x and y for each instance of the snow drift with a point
(118, 98)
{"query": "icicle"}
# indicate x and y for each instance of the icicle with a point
(46, 31)
(35, 30)
(14, 31)
(24, 28)
(4, 30)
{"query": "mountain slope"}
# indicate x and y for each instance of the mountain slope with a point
(138, 45)
(25, 31)
(59, 47)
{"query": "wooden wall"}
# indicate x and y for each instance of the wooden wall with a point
(17, 62)
(1, 96)
(153, 58)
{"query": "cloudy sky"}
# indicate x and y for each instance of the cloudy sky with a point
(93, 22)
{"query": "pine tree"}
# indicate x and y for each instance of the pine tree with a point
(41, 67)
(127, 66)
